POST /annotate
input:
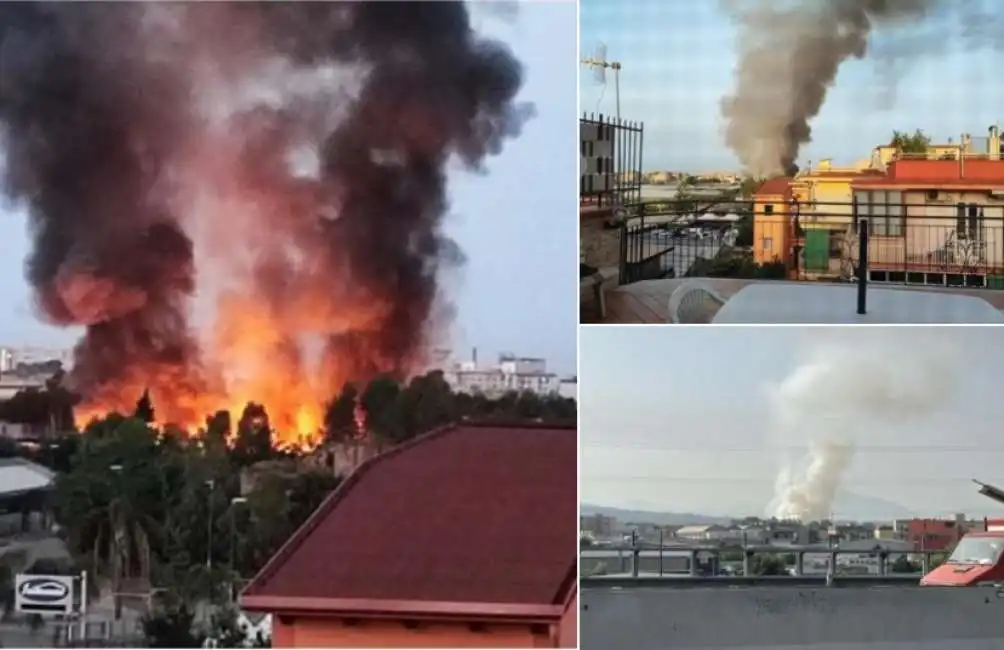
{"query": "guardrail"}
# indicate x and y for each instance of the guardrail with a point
(684, 581)
(899, 243)
(646, 561)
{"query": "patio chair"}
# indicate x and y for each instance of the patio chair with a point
(694, 302)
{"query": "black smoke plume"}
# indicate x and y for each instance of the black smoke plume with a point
(109, 112)
(791, 51)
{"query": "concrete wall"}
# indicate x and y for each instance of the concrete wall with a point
(761, 618)
(317, 632)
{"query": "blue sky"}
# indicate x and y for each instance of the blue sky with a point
(678, 59)
(518, 290)
(685, 419)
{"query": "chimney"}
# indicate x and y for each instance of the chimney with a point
(994, 144)
(474, 356)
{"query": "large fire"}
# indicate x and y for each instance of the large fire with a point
(266, 312)
(244, 201)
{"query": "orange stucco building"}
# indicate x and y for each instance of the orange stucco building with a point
(932, 221)
(936, 222)
(466, 537)
(772, 226)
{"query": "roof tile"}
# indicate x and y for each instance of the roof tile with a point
(466, 514)
(779, 186)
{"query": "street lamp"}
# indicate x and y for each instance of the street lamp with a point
(209, 526)
(117, 584)
(234, 502)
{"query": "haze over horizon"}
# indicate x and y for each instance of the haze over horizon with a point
(688, 421)
(679, 59)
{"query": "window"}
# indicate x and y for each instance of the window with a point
(768, 208)
(894, 214)
(969, 222)
(768, 242)
(883, 210)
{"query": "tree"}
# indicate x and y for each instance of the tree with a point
(132, 500)
(218, 431)
(226, 631)
(171, 626)
(61, 401)
(111, 503)
(917, 143)
(340, 418)
(744, 236)
(904, 565)
(767, 565)
(427, 402)
(144, 408)
(253, 443)
(382, 408)
(748, 186)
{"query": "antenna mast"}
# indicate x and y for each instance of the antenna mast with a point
(600, 64)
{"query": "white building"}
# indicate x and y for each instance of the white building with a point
(703, 533)
(512, 373)
(11, 357)
(10, 386)
(864, 560)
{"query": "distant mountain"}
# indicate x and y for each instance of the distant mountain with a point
(849, 506)
(859, 507)
(651, 517)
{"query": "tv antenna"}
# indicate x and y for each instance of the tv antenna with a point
(599, 64)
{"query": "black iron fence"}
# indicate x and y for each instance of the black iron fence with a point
(956, 245)
(610, 153)
(725, 560)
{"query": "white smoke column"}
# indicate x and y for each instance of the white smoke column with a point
(847, 388)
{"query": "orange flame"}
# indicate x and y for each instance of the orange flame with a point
(275, 290)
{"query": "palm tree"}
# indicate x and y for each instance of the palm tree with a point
(109, 513)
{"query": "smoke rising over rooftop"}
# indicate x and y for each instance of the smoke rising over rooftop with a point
(789, 56)
(286, 163)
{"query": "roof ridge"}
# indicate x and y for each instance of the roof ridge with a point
(512, 423)
(568, 585)
(303, 532)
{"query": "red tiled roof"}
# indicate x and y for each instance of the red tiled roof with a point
(779, 186)
(929, 183)
(469, 516)
(850, 173)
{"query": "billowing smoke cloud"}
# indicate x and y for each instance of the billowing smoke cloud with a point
(789, 56)
(841, 395)
(282, 162)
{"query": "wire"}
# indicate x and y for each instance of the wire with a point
(934, 481)
(876, 449)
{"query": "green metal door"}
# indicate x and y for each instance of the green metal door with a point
(817, 250)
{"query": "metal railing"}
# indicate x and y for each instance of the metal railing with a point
(952, 245)
(728, 564)
(611, 154)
